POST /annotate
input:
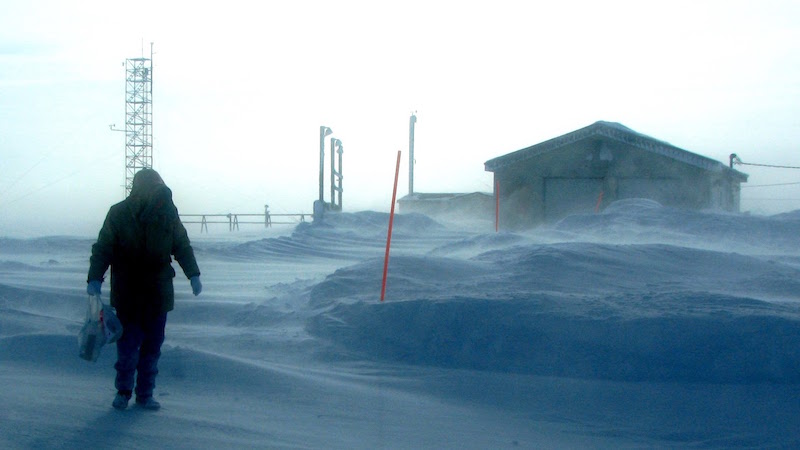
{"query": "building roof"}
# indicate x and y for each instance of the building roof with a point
(615, 132)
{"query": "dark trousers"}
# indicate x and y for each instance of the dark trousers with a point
(138, 351)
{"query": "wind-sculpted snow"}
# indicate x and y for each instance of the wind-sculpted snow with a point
(41, 303)
(637, 327)
(623, 312)
(479, 243)
(410, 278)
(374, 223)
(45, 245)
(641, 220)
(15, 266)
(355, 236)
(589, 268)
(684, 337)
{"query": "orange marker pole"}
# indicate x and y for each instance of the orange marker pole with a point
(391, 221)
(599, 202)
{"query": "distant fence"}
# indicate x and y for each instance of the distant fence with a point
(233, 220)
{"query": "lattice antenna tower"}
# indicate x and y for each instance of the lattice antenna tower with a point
(138, 116)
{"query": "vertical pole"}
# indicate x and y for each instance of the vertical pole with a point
(322, 134)
(412, 121)
(341, 175)
(496, 206)
(389, 236)
(599, 202)
(151, 107)
(333, 174)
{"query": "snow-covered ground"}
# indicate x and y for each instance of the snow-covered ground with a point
(639, 327)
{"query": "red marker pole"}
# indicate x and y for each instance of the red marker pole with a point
(391, 221)
(599, 202)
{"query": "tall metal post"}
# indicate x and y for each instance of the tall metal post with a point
(340, 176)
(334, 143)
(138, 117)
(336, 174)
(412, 121)
(323, 131)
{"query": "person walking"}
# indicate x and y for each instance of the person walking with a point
(138, 239)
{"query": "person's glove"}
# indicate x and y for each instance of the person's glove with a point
(197, 286)
(93, 288)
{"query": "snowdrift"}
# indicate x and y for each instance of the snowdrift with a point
(705, 338)
(349, 236)
(642, 220)
(637, 327)
(632, 312)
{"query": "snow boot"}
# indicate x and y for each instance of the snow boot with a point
(148, 403)
(121, 400)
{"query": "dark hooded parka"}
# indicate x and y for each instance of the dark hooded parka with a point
(138, 238)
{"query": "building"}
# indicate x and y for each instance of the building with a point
(584, 170)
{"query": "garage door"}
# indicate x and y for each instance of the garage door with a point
(565, 196)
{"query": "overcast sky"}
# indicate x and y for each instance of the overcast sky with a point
(241, 89)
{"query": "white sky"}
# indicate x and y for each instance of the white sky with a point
(241, 88)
